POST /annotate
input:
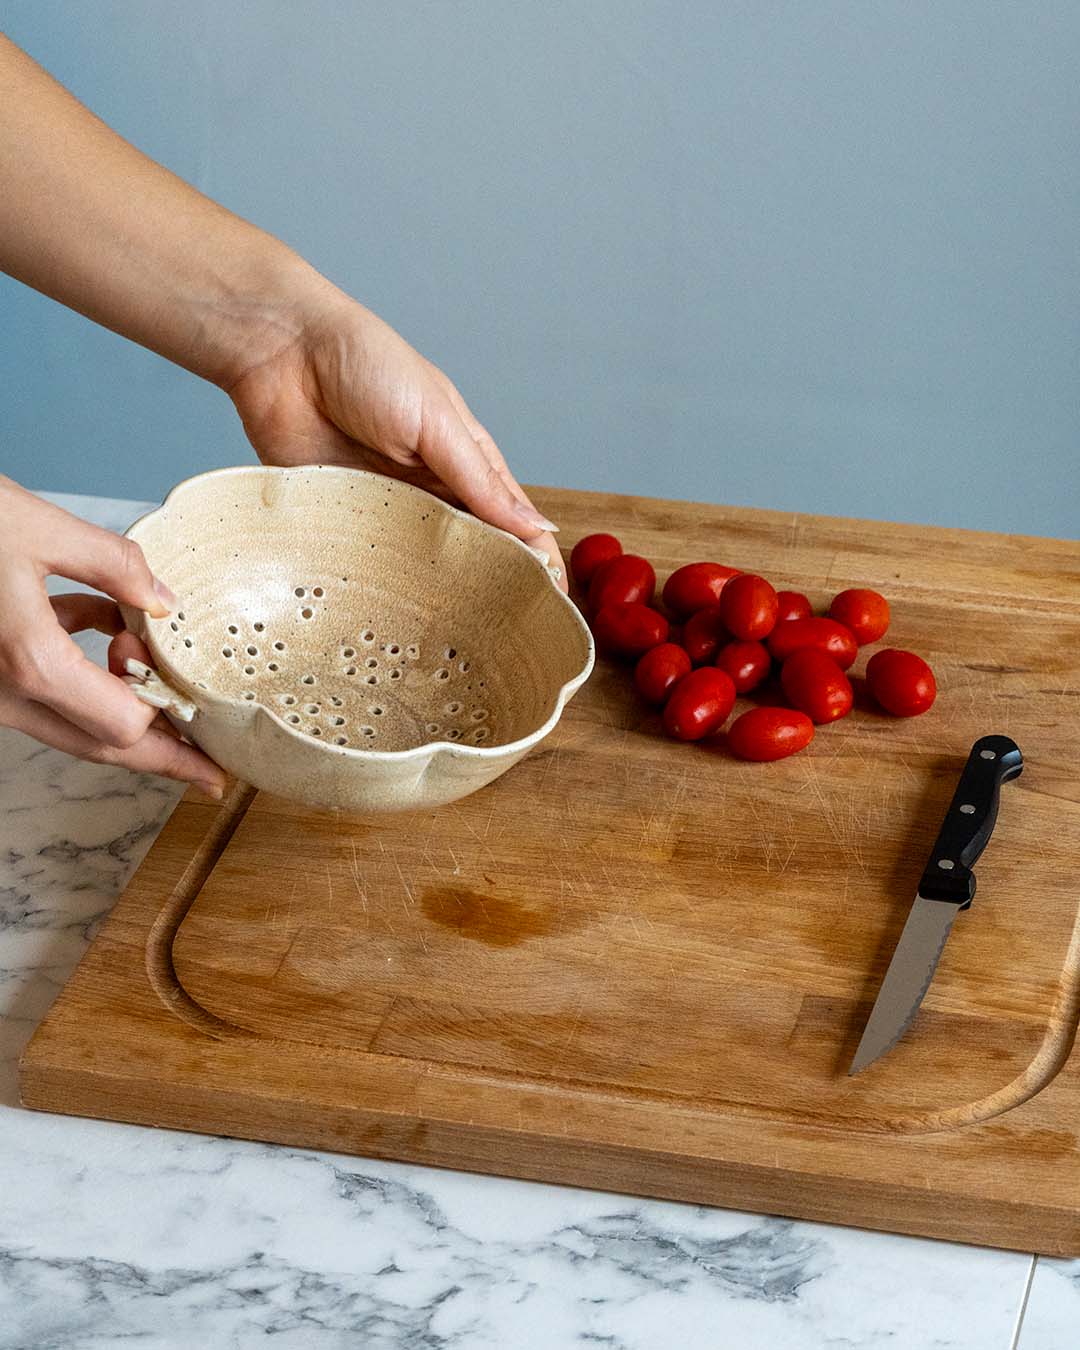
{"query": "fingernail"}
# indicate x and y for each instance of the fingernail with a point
(214, 790)
(535, 518)
(165, 595)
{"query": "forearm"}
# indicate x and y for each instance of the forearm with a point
(91, 221)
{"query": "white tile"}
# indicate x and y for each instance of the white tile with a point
(1052, 1318)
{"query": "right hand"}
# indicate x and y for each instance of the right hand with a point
(48, 688)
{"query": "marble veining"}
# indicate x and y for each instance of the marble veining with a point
(112, 1235)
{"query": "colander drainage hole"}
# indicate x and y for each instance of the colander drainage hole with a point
(314, 731)
(371, 663)
(432, 728)
(299, 592)
(367, 635)
(181, 615)
(293, 718)
(308, 679)
(443, 674)
(279, 646)
(367, 731)
(395, 674)
(393, 649)
(337, 721)
(372, 679)
(412, 651)
(289, 700)
(465, 667)
(233, 629)
(481, 735)
(479, 714)
(453, 708)
(453, 734)
(312, 709)
(188, 642)
(273, 666)
(348, 653)
(450, 653)
(249, 670)
(337, 702)
(249, 695)
(318, 592)
(341, 740)
(350, 670)
(258, 627)
(377, 711)
(306, 613)
(174, 626)
(253, 651)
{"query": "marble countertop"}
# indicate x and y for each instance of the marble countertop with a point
(112, 1234)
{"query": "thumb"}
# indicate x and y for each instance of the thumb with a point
(108, 562)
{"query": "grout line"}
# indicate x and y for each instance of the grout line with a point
(1015, 1342)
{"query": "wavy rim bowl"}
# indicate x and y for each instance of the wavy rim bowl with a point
(535, 559)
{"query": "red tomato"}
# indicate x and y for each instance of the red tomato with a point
(704, 634)
(629, 630)
(590, 554)
(816, 685)
(793, 605)
(770, 733)
(826, 635)
(746, 662)
(659, 669)
(749, 607)
(866, 613)
(625, 580)
(696, 586)
(699, 704)
(901, 682)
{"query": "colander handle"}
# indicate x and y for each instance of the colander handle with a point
(545, 557)
(148, 686)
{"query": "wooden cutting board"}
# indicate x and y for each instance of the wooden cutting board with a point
(640, 965)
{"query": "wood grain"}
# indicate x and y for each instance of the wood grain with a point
(641, 965)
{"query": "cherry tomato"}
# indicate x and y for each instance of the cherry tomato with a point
(696, 586)
(746, 662)
(866, 613)
(590, 554)
(769, 733)
(625, 580)
(704, 634)
(659, 669)
(901, 682)
(749, 607)
(826, 635)
(629, 630)
(816, 685)
(793, 605)
(699, 704)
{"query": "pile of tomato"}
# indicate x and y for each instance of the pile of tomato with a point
(724, 632)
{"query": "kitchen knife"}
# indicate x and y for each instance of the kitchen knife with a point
(947, 886)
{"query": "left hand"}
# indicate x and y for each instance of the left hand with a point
(345, 388)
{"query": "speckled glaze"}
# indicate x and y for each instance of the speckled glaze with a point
(351, 641)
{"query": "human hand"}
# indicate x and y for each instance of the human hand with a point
(344, 388)
(48, 687)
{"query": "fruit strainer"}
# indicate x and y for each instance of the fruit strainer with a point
(351, 641)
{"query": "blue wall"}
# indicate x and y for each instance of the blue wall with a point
(819, 256)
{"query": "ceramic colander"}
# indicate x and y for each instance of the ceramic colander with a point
(351, 641)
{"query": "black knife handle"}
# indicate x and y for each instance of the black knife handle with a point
(969, 822)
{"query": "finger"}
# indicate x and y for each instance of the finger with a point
(41, 663)
(447, 447)
(544, 542)
(74, 548)
(76, 613)
(158, 751)
(124, 647)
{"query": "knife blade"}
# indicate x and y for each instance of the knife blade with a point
(947, 886)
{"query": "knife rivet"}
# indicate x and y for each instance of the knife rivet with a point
(988, 754)
(946, 864)
(967, 809)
